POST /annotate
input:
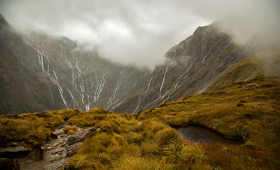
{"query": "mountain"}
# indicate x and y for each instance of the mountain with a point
(208, 80)
(39, 71)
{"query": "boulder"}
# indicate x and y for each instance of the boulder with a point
(83, 135)
(70, 140)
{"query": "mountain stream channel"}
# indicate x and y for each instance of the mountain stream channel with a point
(54, 154)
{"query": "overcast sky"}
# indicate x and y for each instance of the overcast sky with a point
(140, 31)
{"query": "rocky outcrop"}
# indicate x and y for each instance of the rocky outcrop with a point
(54, 154)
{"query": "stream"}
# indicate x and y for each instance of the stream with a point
(53, 155)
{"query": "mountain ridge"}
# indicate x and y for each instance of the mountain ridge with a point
(56, 75)
(208, 80)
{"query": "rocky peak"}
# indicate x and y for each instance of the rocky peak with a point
(3, 22)
(54, 76)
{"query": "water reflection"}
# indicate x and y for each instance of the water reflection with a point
(200, 134)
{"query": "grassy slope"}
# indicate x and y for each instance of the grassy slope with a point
(251, 113)
(232, 110)
(260, 64)
(125, 141)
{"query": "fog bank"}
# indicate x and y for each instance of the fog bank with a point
(139, 32)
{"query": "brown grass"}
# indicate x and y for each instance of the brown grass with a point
(146, 141)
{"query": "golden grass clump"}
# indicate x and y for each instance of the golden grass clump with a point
(128, 162)
(35, 128)
(109, 126)
(192, 152)
(108, 147)
(166, 135)
(30, 129)
(70, 130)
(149, 147)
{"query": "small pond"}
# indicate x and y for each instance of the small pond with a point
(200, 134)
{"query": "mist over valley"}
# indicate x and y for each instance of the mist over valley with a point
(112, 84)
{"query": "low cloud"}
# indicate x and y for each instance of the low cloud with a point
(139, 32)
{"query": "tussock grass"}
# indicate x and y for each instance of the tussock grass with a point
(166, 136)
(154, 146)
(137, 163)
(70, 130)
(249, 113)
(146, 141)
(192, 152)
(34, 128)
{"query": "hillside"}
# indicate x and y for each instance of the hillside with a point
(41, 71)
(64, 106)
(247, 111)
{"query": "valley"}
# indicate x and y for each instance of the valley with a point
(42, 72)
(66, 107)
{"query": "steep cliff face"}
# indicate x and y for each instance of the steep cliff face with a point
(40, 71)
(193, 64)
(22, 89)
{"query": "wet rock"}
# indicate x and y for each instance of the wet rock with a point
(66, 151)
(80, 137)
(92, 129)
(74, 148)
(9, 164)
(58, 132)
(71, 140)
(16, 147)
(60, 127)
(57, 152)
(62, 154)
